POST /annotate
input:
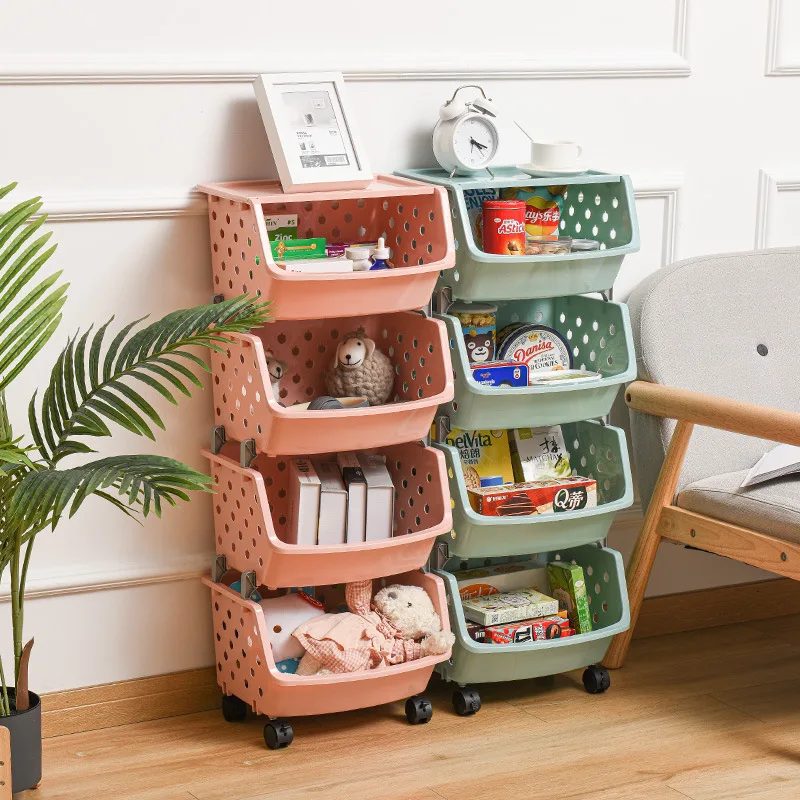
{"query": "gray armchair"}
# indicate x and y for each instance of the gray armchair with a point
(718, 346)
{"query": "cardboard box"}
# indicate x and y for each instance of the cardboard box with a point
(332, 527)
(485, 457)
(302, 516)
(520, 604)
(500, 373)
(286, 249)
(482, 581)
(539, 454)
(535, 497)
(568, 586)
(476, 632)
(356, 484)
(528, 630)
(380, 497)
(280, 226)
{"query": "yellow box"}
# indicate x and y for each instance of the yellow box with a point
(485, 456)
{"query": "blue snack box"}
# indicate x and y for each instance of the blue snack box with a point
(500, 373)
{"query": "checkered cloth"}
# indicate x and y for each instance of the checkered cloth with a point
(356, 640)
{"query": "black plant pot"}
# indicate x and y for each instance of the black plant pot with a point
(26, 743)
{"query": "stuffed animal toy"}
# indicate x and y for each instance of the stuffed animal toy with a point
(359, 369)
(373, 636)
(276, 369)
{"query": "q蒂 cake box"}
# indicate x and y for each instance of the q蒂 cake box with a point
(534, 497)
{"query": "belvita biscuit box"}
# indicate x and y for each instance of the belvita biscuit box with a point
(534, 497)
(485, 456)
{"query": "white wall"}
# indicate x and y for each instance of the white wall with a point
(113, 112)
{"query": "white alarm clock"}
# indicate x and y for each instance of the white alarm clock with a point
(465, 138)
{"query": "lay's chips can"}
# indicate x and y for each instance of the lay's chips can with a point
(543, 207)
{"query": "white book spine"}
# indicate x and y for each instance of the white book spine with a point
(380, 497)
(332, 504)
(356, 483)
(304, 499)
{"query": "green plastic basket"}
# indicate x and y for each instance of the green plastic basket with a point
(598, 206)
(596, 451)
(476, 662)
(599, 333)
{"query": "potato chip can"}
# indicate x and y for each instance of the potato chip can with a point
(504, 227)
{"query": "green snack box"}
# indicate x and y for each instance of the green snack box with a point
(287, 249)
(281, 226)
(569, 588)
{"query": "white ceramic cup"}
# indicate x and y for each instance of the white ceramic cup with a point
(555, 155)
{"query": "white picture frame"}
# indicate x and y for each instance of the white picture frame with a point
(311, 131)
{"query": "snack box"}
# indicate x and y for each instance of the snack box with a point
(473, 200)
(476, 632)
(534, 497)
(286, 249)
(485, 457)
(482, 581)
(528, 630)
(500, 373)
(569, 587)
(509, 607)
(539, 454)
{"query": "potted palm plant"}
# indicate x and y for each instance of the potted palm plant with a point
(98, 382)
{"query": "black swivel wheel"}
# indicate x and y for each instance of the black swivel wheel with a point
(418, 709)
(596, 679)
(466, 701)
(278, 734)
(233, 709)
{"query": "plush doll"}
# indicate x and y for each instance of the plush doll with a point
(276, 369)
(359, 369)
(373, 636)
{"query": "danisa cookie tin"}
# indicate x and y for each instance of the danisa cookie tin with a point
(538, 346)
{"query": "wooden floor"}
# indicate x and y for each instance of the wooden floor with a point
(704, 715)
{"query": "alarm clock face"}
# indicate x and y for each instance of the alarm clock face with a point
(475, 142)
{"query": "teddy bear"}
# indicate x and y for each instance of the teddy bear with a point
(276, 369)
(400, 624)
(359, 369)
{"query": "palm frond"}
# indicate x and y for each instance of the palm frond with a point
(31, 309)
(93, 383)
(134, 482)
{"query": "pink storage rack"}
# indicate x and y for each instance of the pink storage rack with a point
(413, 217)
(250, 510)
(246, 404)
(247, 670)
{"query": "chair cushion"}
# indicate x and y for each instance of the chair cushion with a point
(772, 508)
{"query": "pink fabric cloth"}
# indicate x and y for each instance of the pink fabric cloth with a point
(356, 640)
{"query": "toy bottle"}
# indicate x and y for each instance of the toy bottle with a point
(380, 256)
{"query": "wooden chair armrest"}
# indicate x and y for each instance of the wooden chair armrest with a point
(723, 413)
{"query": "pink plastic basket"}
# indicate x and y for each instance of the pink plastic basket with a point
(246, 669)
(250, 509)
(413, 217)
(245, 404)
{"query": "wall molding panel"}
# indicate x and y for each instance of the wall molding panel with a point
(769, 186)
(111, 68)
(667, 189)
(778, 65)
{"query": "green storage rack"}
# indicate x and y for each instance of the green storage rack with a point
(599, 333)
(476, 662)
(598, 451)
(548, 290)
(598, 206)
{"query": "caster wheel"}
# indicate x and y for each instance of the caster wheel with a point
(596, 679)
(233, 709)
(466, 702)
(418, 709)
(278, 734)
